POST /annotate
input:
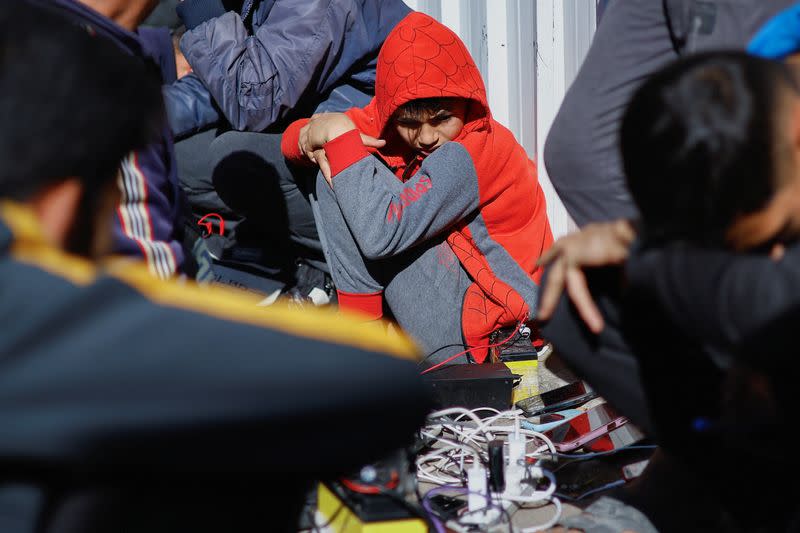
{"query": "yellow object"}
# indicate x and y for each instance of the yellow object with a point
(343, 520)
(529, 385)
(31, 247)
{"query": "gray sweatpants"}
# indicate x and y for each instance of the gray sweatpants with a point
(423, 287)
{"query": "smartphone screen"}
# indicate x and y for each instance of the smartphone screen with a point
(576, 388)
(585, 428)
(557, 399)
(577, 478)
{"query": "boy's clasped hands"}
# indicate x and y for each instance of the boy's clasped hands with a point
(322, 128)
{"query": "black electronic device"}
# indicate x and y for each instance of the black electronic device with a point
(571, 395)
(377, 496)
(497, 466)
(350, 511)
(580, 478)
(446, 507)
(472, 386)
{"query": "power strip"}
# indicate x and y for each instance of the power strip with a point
(515, 471)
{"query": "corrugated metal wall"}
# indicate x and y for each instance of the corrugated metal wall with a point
(528, 52)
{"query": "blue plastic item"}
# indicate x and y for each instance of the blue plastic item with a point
(567, 415)
(779, 37)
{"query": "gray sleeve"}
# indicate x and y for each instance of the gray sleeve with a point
(718, 296)
(257, 79)
(388, 216)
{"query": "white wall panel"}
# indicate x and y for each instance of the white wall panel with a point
(528, 52)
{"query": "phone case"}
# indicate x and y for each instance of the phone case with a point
(567, 404)
(554, 399)
(591, 435)
(568, 415)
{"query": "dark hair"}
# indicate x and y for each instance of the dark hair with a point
(72, 104)
(699, 144)
(424, 107)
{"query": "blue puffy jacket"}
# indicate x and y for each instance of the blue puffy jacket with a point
(148, 218)
(277, 60)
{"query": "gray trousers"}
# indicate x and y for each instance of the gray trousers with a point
(634, 39)
(423, 287)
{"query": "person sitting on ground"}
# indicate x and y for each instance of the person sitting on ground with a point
(133, 404)
(258, 65)
(445, 219)
(263, 62)
(711, 149)
(149, 217)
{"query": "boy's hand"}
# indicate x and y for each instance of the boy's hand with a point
(322, 128)
(596, 245)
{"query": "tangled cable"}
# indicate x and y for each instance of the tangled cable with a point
(458, 439)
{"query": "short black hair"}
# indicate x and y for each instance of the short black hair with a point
(699, 144)
(73, 104)
(424, 107)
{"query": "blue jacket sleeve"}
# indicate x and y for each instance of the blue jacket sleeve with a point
(190, 107)
(256, 79)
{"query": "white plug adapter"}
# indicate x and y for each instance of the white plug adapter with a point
(477, 485)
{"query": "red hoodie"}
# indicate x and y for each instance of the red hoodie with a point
(497, 228)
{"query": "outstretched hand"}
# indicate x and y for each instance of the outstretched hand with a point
(595, 246)
(321, 129)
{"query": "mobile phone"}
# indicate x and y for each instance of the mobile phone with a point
(584, 428)
(446, 506)
(566, 397)
(550, 420)
(576, 479)
(621, 437)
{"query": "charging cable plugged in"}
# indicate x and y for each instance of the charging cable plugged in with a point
(515, 469)
(478, 488)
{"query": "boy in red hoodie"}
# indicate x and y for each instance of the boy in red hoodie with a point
(445, 218)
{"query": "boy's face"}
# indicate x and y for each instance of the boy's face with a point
(426, 132)
(779, 220)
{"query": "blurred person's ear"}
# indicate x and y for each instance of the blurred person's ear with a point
(75, 219)
(794, 60)
(56, 207)
(778, 222)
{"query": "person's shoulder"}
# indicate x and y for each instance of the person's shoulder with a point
(227, 308)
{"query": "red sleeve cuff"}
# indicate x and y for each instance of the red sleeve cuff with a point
(345, 150)
(369, 306)
(289, 142)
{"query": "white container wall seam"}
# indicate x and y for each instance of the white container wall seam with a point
(528, 52)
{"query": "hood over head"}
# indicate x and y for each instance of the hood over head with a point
(422, 58)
